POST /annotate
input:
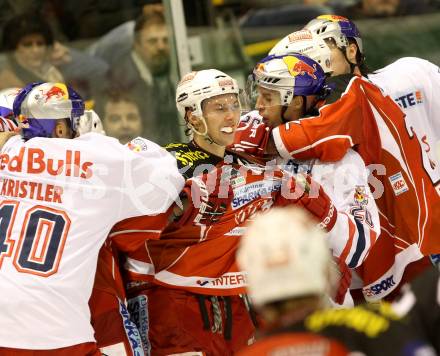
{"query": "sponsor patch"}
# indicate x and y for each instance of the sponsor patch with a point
(231, 280)
(253, 191)
(225, 82)
(408, 100)
(131, 331)
(300, 36)
(380, 287)
(237, 182)
(137, 145)
(237, 231)
(398, 183)
(360, 195)
(138, 307)
(187, 77)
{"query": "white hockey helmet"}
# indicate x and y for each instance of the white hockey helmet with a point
(339, 28)
(306, 43)
(285, 256)
(195, 87)
(7, 97)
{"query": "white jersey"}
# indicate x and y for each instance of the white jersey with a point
(414, 84)
(59, 200)
(346, 183)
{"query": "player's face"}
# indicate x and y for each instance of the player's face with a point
(339, 63)
(152, 45)
(122, 120)
(269, 106)
(222, 114)
(31, 51)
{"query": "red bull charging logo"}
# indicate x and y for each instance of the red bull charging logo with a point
(298, 67)
(57, 91)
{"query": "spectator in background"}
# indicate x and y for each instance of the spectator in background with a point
(146, 70)
(29, 42)
(33, 55)
(121, 115)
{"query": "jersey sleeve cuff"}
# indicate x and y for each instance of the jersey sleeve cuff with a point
(279, 144)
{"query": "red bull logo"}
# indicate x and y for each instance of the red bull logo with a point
(360, 195)
(298, 67)
(57, 91)
(333, 18)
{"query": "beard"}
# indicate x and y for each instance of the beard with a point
(160, 65)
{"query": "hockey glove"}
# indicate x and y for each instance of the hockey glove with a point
(304, 191)
(208, 197)
(252, 138)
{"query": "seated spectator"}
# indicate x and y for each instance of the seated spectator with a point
(28, 40)
(33, 55)
(121, 115)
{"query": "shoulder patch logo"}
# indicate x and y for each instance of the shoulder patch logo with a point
(398, 183)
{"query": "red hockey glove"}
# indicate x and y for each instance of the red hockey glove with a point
(344, 280)
(304, 191)
(208, 196)
(251, 137)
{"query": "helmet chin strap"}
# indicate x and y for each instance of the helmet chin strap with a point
(352, 65)
(204, 134)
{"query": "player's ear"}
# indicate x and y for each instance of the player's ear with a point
(192, 119)
(297, 102)
(351, 52)
(61, 129)
(295, 109)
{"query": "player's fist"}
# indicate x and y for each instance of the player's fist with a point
(304, 191)
(251, 137)
(208, 196)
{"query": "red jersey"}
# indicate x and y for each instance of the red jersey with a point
(200, 258)
(7, 125)
(362, 118)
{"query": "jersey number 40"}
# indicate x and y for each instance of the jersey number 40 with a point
(43, 234)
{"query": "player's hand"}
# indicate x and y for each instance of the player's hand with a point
(208, 196)
(303, 191)
(252, 137)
